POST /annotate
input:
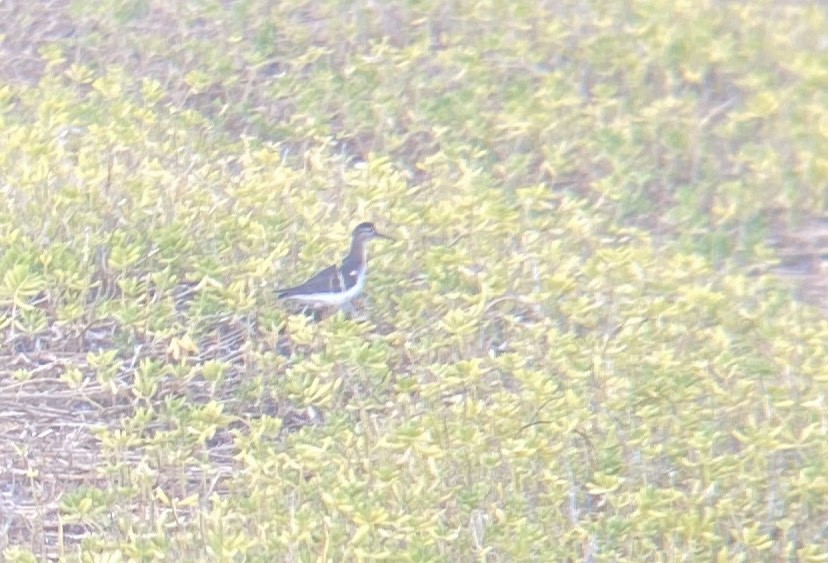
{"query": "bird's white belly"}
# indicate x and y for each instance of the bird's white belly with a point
(333, 299)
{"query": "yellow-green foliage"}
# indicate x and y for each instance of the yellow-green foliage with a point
(567, 354)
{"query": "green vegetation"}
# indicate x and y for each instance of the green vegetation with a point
(577, 348)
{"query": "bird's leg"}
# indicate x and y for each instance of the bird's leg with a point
(349, 310)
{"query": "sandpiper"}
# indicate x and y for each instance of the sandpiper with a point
(338, 286)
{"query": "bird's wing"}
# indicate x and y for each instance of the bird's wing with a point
(326, 281)
(350, 272)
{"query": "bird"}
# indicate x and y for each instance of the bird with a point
(337, 286)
